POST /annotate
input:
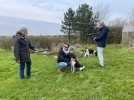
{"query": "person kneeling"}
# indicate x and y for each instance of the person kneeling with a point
(63, 57)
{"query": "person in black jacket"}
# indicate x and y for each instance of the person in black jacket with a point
(101, 39)
(22, 52)
(63, 57)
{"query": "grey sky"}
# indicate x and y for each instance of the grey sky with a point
(52, 10)
(40, 16)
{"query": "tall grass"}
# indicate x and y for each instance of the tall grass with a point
(114, 82)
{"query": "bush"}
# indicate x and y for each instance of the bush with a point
(54, 42)
(45, 42)
(6, 43)
(115, 35)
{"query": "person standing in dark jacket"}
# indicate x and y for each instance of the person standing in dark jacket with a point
(22, 53)
(101, 39)
(63, 57)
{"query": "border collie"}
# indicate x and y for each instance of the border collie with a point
(75, 65)
(89, 52)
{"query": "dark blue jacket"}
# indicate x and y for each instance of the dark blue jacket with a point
(21, 50)
(62, 57)
(101, 37)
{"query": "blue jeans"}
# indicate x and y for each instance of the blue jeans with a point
(62, 65)
(28, 70)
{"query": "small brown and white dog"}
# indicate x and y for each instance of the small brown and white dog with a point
(75, 65)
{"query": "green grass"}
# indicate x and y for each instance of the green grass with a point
(115, 82)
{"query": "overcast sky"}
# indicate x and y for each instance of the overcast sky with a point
(52, 10)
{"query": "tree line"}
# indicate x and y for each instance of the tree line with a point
(82, 21)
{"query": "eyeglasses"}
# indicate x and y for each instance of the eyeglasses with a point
(65, 47)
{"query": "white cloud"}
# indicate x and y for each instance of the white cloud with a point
(52, 10)
(44, 10)
(26, 9)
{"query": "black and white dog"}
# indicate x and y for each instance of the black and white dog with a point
(89, 52)
(75, 64)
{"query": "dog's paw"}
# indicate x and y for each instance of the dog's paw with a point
(82, 68)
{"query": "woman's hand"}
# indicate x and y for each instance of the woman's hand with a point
(18, 61)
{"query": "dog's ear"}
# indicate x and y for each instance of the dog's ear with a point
(73, 55)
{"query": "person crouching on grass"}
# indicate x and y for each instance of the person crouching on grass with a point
(63, 57)
(22, 53)
(68, 59)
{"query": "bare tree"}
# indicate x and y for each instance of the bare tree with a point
(102, 11)
(131, 16)
(117, 22)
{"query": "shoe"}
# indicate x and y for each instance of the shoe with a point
(102, 66)
(21, 78)
(60, 70)
(28, 78)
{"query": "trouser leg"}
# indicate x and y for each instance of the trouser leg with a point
(100, 55)
(22, 67)
(28, 71)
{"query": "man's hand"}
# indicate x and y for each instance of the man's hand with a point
(94, 38)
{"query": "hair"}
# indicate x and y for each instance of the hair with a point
(23, 31)
(101, 23)
(18, 33)
(66, 44)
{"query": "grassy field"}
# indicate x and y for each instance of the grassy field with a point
(115, 82)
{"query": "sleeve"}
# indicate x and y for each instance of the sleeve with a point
(31, 46)
(61, 58)
(16, 50)
(101, 34)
